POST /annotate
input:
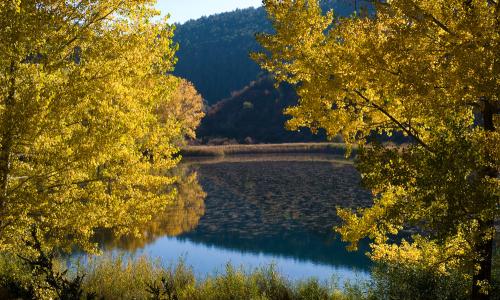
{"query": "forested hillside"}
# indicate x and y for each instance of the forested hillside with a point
(214, 50)
(254, 114)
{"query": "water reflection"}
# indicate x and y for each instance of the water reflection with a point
(181, 216)
(254, 210)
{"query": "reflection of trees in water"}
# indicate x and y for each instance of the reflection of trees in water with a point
(282, 208)
(181, 216)
(258, 198)
(316, 247)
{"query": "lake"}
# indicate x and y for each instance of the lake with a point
(256, 210)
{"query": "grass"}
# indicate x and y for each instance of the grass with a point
(141, 278)
(226, 150)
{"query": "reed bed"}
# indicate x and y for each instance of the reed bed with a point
(227, 150)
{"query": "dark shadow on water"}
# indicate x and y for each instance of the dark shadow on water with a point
(298, 246)
(283, 207)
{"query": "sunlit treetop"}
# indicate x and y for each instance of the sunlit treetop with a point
(427, 69)
(81, 143)
(412, 63)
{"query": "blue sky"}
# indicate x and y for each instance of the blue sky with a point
(183, 10)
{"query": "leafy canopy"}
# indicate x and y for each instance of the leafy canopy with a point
(81, 142)
(429, 69)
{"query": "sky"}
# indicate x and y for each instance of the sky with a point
(184, 10)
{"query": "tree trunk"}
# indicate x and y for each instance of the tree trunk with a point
(485, 250)
(485, 246)
(7, 138)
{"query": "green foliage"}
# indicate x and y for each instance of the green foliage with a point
(42, 278)
(175, 283)
(16, 279)
(122, 277)
(312, 290)
(257, 112)
(126, 278)
(400, 282)
(228, 38)
(237, 284)
(119, 277)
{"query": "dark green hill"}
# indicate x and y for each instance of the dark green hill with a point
(214, 50)
(255, 112)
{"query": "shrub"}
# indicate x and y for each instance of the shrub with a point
(407, 283)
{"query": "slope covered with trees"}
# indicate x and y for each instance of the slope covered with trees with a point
(254, 114)
(214, 51)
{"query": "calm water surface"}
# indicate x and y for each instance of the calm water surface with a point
(253, 211)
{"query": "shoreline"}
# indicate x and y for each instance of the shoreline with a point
(287, 148)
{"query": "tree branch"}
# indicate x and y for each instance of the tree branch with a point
(91, 22)
(395, 121)
(430, 17)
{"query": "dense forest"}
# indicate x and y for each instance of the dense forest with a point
(214, 56)
(254, 115)
(214, 51)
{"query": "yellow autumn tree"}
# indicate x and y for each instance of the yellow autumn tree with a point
(430, 70)
(81, 144)
(185, 106)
